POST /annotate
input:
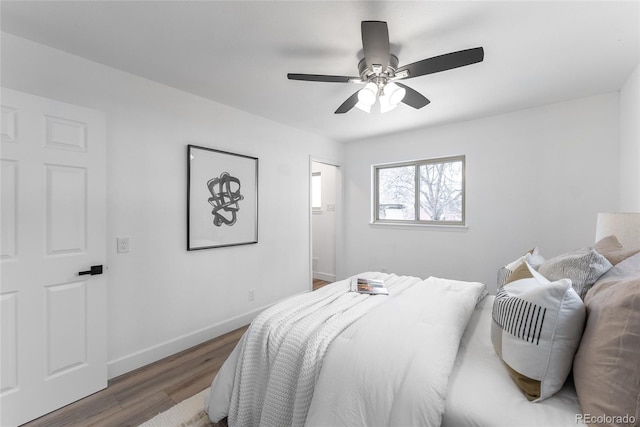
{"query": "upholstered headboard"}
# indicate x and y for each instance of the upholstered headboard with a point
(624, 225)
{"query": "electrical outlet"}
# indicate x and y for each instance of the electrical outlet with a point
(123, 245)
(252, 294)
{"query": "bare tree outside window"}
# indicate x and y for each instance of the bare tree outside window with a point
(426, 191)
(441, 191)
(397, 193)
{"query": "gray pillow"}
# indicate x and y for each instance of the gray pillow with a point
(583, 266)
(627, 269)
(606, 369)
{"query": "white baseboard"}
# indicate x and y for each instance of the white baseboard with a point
(324, 276)
(152, 354)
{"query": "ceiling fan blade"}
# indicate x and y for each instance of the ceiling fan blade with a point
(375, 43)
(321, 78)
(413, 98)
(444, 62)
(348, 104)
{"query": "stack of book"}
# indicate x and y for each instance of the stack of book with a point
(368, 286)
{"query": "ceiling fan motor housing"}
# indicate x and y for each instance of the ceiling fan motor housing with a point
(367, 74)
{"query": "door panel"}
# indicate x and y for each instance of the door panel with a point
(8, 208)
(8, 316)
(324, 222)
(66, 209)
(53, 226)
(66, 327)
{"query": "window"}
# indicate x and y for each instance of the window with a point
(420, 192)
(316, 191)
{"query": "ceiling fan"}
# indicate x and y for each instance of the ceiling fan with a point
(379, 72)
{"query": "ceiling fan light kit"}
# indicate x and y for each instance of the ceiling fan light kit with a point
(391, 96)
(362, 107)
(379, 72)
(368, 94)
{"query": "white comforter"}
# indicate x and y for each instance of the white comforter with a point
(388, 363)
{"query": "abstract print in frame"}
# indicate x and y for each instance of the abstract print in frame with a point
(222, 198)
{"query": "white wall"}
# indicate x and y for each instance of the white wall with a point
(630, 143)
(161, 297)
(535, 177)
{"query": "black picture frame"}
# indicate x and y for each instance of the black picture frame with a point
(222, 198)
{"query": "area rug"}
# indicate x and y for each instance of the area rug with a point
(188, 413)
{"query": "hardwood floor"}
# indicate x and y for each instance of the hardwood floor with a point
(317, 283)
(137, 396)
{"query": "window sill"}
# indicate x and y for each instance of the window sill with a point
(433, 227)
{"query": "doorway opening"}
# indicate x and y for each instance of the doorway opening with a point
(325, 207)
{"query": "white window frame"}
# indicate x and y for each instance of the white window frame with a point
(417, 163)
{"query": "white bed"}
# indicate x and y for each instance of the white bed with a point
(422, 356)
(361, 342)
(377, 371)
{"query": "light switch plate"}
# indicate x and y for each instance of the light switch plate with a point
(123, 245)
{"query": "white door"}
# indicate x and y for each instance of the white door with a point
(53, 226)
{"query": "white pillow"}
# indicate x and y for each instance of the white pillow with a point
(536, 329)
(533, 258)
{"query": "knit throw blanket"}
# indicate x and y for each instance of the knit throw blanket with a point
(282, 351)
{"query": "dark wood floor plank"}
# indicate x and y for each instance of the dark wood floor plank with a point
(91, 407)
(138, 396)
(176, 371)
(143, 409)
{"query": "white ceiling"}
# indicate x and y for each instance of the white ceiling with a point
(239, 53)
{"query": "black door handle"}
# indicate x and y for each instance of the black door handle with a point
(95, 269)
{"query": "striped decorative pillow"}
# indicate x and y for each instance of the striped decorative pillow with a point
(583, 266)
(536, 329)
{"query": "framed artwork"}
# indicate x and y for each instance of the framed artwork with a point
(222, 198)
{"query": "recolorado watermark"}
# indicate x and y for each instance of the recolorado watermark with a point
(605, 419)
